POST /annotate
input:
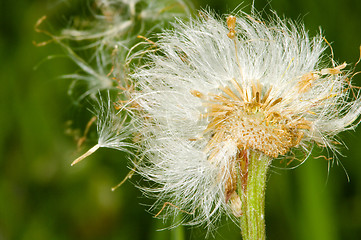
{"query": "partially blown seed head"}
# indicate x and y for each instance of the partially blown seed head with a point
(220, 87)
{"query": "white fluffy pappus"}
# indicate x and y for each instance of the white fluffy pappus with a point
(216, 89)
(113, 129)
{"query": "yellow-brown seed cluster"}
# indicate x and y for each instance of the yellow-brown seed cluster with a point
(251, 121)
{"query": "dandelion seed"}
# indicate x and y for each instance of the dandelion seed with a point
(113, 130)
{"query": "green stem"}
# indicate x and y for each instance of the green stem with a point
(178, 232)
(252, 195)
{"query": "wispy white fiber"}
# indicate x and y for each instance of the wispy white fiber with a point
(113, 128)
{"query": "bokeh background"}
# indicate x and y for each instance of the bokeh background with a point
(42, 197)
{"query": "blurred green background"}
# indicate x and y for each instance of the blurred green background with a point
(42, 197)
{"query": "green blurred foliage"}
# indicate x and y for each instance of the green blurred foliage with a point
(42, 197)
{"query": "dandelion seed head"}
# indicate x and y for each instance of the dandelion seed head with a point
(217, 88)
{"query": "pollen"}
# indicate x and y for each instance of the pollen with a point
(252, 121)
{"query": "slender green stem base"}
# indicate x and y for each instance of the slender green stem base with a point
(252, 195)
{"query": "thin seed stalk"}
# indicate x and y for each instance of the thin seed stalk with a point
(252, 195)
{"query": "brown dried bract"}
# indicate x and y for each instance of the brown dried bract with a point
(307, 79)
(231, 24)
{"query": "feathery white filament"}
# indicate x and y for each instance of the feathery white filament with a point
(112, 128)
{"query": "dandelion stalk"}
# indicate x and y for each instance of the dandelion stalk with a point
(253, 197)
